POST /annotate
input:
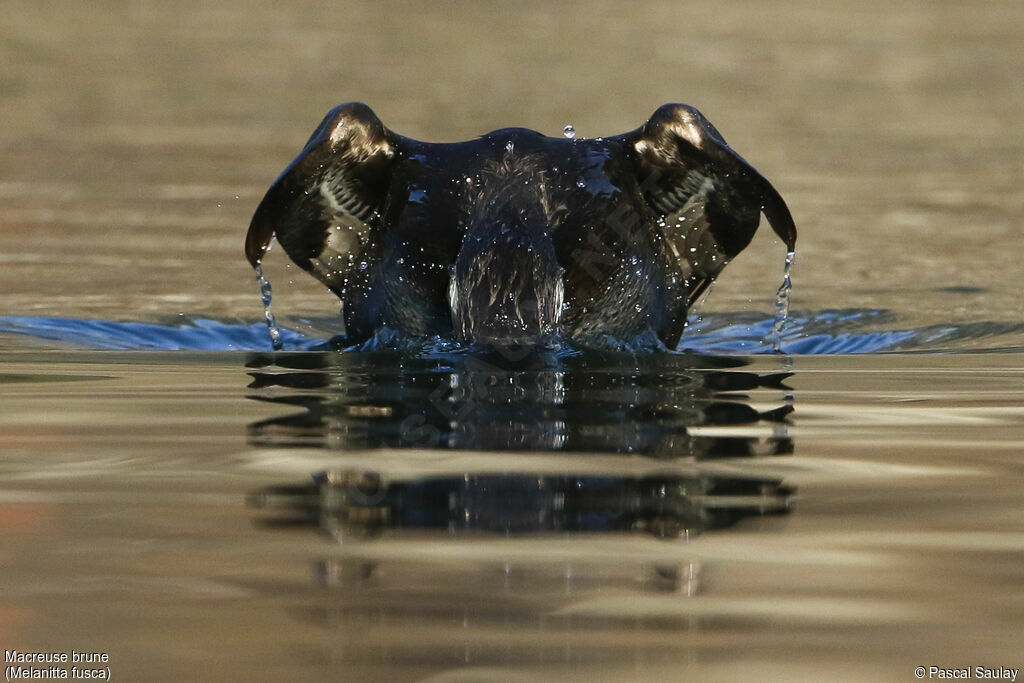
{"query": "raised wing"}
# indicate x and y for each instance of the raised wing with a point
(325, 207)
(710, 198)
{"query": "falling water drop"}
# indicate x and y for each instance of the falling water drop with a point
(266, 295)
(569, 131)
(782, 303)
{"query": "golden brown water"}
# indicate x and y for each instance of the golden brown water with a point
(137, 139)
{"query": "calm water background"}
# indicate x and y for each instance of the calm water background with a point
(876, 527)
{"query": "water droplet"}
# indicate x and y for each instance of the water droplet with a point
(569, 131)
(363, 265)
(782, 303)
(266, 295)
(580, 184)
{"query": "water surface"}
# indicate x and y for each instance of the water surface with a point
(311, 515)
(176, 495)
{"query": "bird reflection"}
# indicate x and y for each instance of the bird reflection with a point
(675, 410)
(613, 403)
(350, 503)
(490, 492)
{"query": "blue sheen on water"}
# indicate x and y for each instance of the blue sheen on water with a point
(198, 334)
(822, 332)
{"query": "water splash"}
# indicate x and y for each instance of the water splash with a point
(782, 303)
(569, 131)
(267, 295)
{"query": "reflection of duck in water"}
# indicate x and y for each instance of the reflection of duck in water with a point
(642, 404)
(664, 504)
(514, 235)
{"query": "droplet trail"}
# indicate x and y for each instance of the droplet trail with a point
(266, 295)
(782, 298)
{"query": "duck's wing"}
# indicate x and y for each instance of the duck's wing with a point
(325, 207)
(710, 199)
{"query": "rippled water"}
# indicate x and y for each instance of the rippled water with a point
(320, 514)
(822, 332)
(176, 494)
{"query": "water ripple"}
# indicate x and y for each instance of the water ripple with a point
(850, 331)
(198, 334)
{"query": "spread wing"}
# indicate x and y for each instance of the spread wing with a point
(711, 200)
(325, 207)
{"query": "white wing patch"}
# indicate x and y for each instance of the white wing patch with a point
(327, 192)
